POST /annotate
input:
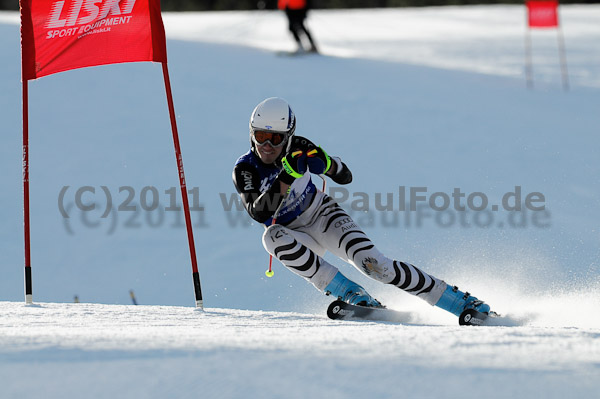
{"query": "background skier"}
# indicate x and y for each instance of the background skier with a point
(277, 168)
(296, 11)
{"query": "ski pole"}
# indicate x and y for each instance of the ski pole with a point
(324, 183)
(269, 272)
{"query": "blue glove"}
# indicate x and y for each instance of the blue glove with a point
(294, 165)
(318, 161)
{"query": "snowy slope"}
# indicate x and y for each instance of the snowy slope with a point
(431, 97)
(434, 128)
(103, 351)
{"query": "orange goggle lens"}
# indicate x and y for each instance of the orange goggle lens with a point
(276, 139)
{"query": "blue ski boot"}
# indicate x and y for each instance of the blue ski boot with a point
(456, 302)
(350, 292)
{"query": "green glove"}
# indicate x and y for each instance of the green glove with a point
(318, 161)
(294, 165)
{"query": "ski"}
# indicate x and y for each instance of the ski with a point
(295, 53)
(471, 317)
(340, 310)
(474, 318)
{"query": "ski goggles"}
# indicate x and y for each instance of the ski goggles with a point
(261, 137)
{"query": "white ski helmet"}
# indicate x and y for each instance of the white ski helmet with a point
(274, 115)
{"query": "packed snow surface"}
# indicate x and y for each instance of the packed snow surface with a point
(102, 351)
(432, 98)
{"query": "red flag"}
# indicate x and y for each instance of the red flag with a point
(542, 14)
(59, 35)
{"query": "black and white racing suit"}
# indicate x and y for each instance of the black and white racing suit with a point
(311, 223)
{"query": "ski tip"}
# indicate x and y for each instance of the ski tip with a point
(471, 317)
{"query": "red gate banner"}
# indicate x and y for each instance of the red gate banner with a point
(542, 13)
(59, 35)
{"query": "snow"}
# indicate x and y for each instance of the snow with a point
(157, 351)
(429, 97)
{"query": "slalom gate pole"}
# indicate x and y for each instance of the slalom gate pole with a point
(26, 229)
(182, 184)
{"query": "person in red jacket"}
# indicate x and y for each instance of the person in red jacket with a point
(296, 11)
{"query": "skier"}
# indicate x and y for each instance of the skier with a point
(296, 11)
(273, 180)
